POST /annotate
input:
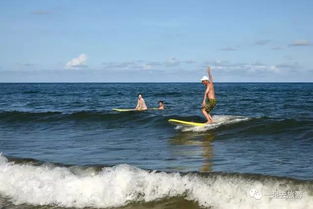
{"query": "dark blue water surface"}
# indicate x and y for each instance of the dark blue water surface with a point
(75, 124)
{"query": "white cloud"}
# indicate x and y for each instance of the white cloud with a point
(169, 23)
(301, 43)
(229, 49)
(171, 62)
(77, 62)
(224, 66)
(262, 42)
(172, 65)
(277, 48)
(147, 66)
(189, 61)
(41, 12)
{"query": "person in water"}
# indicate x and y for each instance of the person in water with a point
(161, 105)
(209, 100)
(141, 105)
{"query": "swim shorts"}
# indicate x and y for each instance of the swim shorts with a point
(209, 105)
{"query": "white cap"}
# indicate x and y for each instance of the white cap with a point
(204, 78)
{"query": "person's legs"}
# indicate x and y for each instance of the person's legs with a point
(210, 104)
(211, 119)
(207, 116)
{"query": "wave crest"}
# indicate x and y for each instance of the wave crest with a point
(122, 184)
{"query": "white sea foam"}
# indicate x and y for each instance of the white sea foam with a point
(119, 185)
(219, 120)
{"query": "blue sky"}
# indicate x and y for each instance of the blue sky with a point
(151, 41)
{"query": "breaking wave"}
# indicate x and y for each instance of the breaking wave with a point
(40, 184)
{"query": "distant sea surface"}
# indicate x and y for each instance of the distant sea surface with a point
(63, 146)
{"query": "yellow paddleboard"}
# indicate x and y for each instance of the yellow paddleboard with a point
(124, 110)
(185, 123)
(132, 110)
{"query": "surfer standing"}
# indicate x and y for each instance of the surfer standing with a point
(209, 100)
(141, 105)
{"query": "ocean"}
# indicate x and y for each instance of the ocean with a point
(62, 146)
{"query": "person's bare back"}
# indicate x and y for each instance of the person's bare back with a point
(211, 93)
(141, 105)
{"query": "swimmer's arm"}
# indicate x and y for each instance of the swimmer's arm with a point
(210, 75)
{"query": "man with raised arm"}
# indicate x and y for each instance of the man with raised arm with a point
(209, 100)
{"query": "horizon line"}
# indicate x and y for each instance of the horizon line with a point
(118, 82)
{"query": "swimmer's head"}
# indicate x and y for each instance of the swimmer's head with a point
(139, 96)
(161, 105)
(205, 80)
